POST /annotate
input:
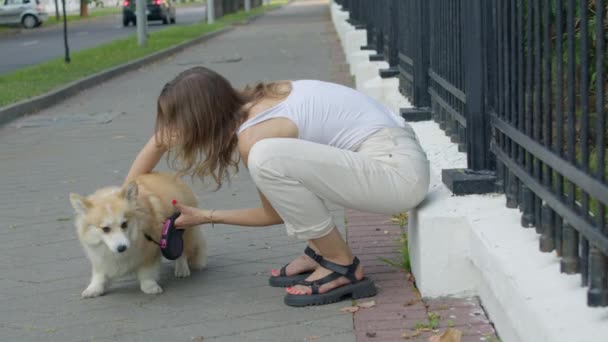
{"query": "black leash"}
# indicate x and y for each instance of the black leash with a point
(149, 238)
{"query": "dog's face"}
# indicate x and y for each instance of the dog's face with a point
(108, 217)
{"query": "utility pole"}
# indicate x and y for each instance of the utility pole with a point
(210, 11)
(140, 9)
(65, 34)
(247, 5)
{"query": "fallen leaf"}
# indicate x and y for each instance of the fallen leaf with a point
(407, 336)
(198, 339)
(450, 335)
(351, 309)
(411, 302)
(386, 232)
(13, 226)
(370, 334)
(310, 338)
(64, 219)
(367, 304)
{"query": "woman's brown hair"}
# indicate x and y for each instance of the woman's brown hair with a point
(198, 115)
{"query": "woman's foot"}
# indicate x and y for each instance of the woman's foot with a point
(319, 273)
(301, 264)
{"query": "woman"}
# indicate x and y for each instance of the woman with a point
(304, 142)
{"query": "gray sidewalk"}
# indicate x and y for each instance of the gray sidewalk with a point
(68, 148)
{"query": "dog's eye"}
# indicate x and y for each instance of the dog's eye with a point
(124, 225)
(106, 229)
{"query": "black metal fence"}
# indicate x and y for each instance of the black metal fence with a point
(520, 86)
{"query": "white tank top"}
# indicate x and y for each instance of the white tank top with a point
(330, 114)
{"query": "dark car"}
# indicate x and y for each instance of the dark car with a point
(156, 10)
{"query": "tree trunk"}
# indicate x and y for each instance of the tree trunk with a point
(57, 10)
(84, 8)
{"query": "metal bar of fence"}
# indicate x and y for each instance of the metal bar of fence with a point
(527, 219)
(421, 60)
(559, 115)
(509, 84)
(512, 182)
(442, 58)
(570, 262)
(459, 76)
(584, 124)
(501, 64)
(521, 92)
(598, 282)
(537, 99)
(547, 241)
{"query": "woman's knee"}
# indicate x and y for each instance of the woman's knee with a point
(261, 153)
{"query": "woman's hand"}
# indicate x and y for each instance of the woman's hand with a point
(190, 216)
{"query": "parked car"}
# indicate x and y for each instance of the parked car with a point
(29, 13)
(156, 10)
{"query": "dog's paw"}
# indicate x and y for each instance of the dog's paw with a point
(182, 270)
(151, 287)
(92, 291)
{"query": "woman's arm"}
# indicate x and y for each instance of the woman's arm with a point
(251, 217)
(147, 159)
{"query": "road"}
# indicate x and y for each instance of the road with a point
(47, 43)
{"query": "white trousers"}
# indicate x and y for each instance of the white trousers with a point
(389, 173)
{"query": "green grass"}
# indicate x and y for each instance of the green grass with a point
(39, 79)
(403, 262)
(432, 322)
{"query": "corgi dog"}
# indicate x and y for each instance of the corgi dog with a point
(118, 228)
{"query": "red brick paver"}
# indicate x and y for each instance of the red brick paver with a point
(399, 308)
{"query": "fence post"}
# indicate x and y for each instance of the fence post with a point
(421, 100)
(391, 50)
(479, 176)
(421, 96)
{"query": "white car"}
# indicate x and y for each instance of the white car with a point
(29, 13)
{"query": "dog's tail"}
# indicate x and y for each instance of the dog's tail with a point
(198, 258)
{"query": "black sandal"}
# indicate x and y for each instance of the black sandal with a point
(283, 280)
(355, 289)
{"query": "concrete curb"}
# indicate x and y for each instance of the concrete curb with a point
(28, 106)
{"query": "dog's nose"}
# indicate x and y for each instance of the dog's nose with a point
(121, 248)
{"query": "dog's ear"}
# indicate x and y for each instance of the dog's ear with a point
(130, 191)
(80, 204)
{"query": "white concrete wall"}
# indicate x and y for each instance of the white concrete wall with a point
(474, 245)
